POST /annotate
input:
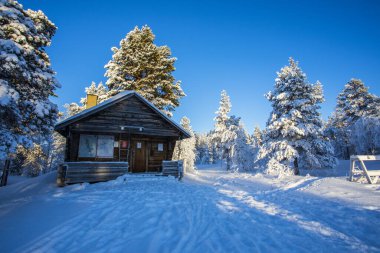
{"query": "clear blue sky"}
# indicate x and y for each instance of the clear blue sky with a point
(232, 45)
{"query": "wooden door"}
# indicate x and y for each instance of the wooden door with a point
(139, 156)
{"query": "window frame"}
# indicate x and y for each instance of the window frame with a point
(96, 146)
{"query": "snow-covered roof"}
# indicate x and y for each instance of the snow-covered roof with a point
(115, 99)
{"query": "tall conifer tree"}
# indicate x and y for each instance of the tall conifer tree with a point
(140, 65)
(294, 136)
(26, 77)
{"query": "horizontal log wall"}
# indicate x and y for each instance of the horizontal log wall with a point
(130, 112)
(90, 172)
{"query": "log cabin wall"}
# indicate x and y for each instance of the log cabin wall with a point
(153, 156)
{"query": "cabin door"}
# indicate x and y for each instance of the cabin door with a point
(139, 156)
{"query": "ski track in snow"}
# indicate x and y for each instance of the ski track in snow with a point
(213, 211)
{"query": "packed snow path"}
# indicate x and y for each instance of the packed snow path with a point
(213, 211)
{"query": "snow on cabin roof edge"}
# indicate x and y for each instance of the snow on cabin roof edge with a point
(114, 100)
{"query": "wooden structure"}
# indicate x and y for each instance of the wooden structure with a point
(172, 168)
(91, 172)
(126, 128)
(358, 169)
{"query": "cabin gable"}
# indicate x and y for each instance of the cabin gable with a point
(127, 116)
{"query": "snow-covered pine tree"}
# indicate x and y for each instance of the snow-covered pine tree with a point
(214, 154)
(26, 77)
(257, 138)
(202, 149)
(365, 136)
(185, 149)
(72, 109)
(57, 154)
(140, 65)
(336, 130)
(221, 122)
(100, 90)
(228, 139)
(293, 137)
(242, 151)
(35, 160)
(353, 103)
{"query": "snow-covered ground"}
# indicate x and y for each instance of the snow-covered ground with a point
(212, 211)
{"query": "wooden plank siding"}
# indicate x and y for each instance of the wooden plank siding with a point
(153, 156)
(130, 112)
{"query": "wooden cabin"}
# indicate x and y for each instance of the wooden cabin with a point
(126, 130)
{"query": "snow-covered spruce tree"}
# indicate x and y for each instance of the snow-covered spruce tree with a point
(337, 131)
(185, 149)
(365, 136)
(100, 90)
(35, 160)
(57, 154)
(72, 109)
(242, 151)
(353, 103)
(214, 154)
(293, 137)
(26, 77)
(257, 137)
(221, 123)
(202, 149)
(140, 65)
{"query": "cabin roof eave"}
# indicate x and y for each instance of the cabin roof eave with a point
(60, 126)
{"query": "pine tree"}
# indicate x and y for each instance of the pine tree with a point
(294, 136)
(100, 90)
(221, 122)
(355, 102)
(365, 136)
(242, 150)
(142, 66)
(26, 77)
(257, 138)
(222, 136)
(337, 131)
(202, 149)
(185, 149)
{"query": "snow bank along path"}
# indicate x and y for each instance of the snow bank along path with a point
(213, 211)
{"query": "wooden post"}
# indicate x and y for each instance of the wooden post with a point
(352, 167)
(4, 176)
(181, 170)
(61, 175)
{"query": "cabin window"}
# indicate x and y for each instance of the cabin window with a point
(96, 146)
(105, 146)
(138, 145)
(160, 147)
(87, 145)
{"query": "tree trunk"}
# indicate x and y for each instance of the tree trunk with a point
(296, 169)
(4, 177)
(228, 160)
(348, 152)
